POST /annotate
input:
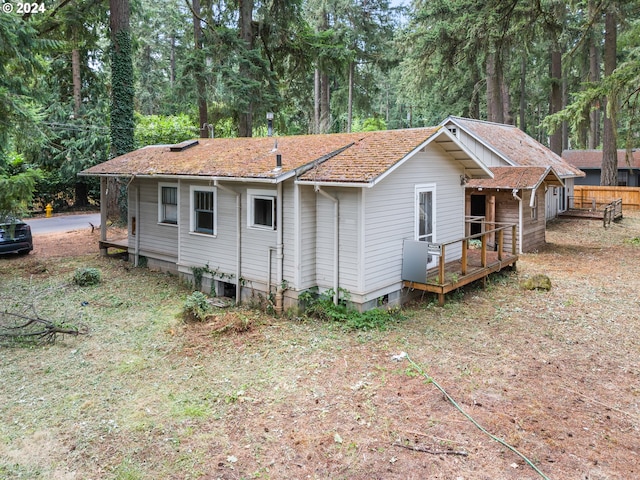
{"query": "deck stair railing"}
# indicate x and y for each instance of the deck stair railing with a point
(612, 212)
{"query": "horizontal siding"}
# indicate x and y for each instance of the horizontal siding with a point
(349, 229)
(308, 238)
(390, 213)
(154, 238)
(197, 250)
(290, 237)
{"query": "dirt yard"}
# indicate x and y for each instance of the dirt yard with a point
(554, 375)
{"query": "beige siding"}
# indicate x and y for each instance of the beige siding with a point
(155, 239)
(390, 214)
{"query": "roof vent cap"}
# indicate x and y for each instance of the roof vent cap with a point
(179, 147)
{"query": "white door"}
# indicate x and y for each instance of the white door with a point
(426, 217)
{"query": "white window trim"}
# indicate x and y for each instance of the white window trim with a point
(265, 194)
(160, 212)
(426, 187)
(192, 217)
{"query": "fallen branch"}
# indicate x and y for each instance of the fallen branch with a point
(37, 330)
(418, 448)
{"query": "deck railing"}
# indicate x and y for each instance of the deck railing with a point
(612, 212)
(417, 254)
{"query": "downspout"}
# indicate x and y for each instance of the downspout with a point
(279, 252)
(238, 237)
(336, 242)
(103, 213)
(515, 195)
(136, 261)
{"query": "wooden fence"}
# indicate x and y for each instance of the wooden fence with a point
(604, 195)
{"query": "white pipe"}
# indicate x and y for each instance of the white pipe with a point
(279, 252)
(336, 242)
(137, 240)
(515, 195)
(238, 237)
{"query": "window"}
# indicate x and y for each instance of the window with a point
(203, 210)
(262, 209)
(623, 178)
(168, 204)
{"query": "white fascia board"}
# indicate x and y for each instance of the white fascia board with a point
(478, 139)
(319, 183)
(203, 178)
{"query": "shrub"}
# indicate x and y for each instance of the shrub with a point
(322, 306)
(87, 276)
(196, 306)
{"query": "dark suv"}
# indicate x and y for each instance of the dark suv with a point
(15, 236)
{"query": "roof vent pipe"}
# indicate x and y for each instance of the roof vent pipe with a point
(278, 161)
(269, 124)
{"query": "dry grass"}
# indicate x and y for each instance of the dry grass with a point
(145, 396)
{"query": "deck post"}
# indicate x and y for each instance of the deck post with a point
(514, 242)
(441, 266)
(500, 243)
(465, 246)
(483, 259)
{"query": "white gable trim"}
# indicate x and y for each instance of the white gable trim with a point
(480, 140)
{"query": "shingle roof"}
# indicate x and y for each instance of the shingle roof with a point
(370, 156)
(510, 178)
(341, 157)
(515, 146)
(593, 158)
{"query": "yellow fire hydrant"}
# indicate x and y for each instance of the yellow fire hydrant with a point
(48, 210)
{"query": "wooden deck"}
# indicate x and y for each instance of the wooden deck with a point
(474, 264)
(119, 244)
(589, 209)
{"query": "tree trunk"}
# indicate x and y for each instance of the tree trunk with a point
(594, 77)
(77, 82)
(201, 87)
(172, 72)
(325, 108)
(609, 172)
(555, 99)
(495, 111)
(493, 88)
(350, 100)
(245, 26)
(122, 95)
(523, 94)
(316, 101)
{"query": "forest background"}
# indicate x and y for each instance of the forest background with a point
(82, 81)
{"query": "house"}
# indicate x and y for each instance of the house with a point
(590, 161)
(530, 185)
(277, 216)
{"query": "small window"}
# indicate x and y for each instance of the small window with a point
(262, 210)
(168, 204)
(203, 218)
(534, 209)
(623, 178)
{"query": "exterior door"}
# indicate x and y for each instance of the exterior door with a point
(426, 217)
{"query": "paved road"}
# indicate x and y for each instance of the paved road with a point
(63, 223)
